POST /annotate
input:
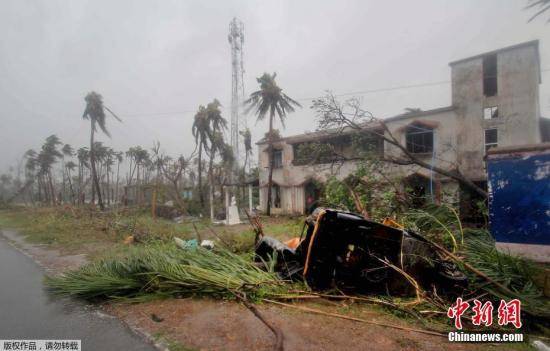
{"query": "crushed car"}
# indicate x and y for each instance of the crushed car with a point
(344, 250)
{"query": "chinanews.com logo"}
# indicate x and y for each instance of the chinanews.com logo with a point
(508, 313)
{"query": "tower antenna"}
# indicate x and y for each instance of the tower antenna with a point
(238, 119)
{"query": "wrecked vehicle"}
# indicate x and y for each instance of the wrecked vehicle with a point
(345, 250)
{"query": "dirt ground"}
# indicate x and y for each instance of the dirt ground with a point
(205, 324)
(222, 325)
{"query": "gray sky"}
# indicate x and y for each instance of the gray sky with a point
(156, 61)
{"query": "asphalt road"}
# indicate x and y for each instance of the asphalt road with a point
(27, 311)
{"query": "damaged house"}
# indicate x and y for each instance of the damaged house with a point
(495, 103)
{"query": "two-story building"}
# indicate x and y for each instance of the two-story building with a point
(495, 102)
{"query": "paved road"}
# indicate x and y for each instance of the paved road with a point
(28, 312)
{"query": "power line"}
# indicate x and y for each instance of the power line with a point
(361, 92)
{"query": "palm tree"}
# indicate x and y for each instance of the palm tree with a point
(70, 166)
(66, 150)
(201, 133)
(46, 159)
(83, 156)
(247, 136)
(218, 125)
(139, 159)
(270, 101)
(95, 112)
(31, 165)
(119, 158)
(543, 6)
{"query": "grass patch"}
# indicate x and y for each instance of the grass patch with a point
(74, 229)
(170, 343)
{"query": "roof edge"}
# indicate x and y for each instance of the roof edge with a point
(534, 43)
(292, 139)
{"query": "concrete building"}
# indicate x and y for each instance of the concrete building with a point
(495, 102)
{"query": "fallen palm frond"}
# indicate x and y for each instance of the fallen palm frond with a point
(513, 272)
(167, 270)
(437, 220)
(499, 274)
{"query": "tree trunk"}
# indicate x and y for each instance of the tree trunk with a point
(211, 181)
(71, 187)
(116, 186)
(64, 193)
(108, 188)
(201, 195)
(52, 190)
(270, 161)
(95, 183)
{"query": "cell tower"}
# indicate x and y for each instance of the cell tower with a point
(238, 119)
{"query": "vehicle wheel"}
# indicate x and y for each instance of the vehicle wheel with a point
(449, 279)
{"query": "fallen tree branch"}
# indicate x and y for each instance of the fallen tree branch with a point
(276, 331)
(342, 316)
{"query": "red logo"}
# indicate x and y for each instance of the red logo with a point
(483, 313)
(457, 311)
(508, 312)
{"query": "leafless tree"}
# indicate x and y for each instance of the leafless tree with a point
(349, 115)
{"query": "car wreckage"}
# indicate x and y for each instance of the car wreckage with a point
(344, 250)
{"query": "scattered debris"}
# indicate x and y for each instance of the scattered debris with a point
(129, 240)
(156, 318)
(207, 244)
(186, 244)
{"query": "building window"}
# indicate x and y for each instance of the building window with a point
(420, 140)
(490, 112)
(491, 138)
(277, 158)
(490, 86)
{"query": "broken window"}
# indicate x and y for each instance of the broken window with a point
(490, 112)
(277, 158)
(490, 75)
(276, 196)
(491, 138)
(420, 139)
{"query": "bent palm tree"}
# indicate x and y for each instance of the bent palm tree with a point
(95, 112)
(217, 124)
(201, 132)
(247, 140)
(270, 100)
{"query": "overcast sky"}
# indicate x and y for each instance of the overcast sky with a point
(156, 61)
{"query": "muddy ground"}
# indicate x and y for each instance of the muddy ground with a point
(205, 324)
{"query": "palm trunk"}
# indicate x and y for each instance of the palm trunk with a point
(116, 186)
(108, 189)
(270, 155)
(64, 193)
(71, 186)
(39, 189)
(52, 190)
(94, 173)
(211, 187)
(201, 196)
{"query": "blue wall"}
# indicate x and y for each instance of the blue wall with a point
(519, 202)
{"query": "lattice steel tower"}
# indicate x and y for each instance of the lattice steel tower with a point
(238, 119)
